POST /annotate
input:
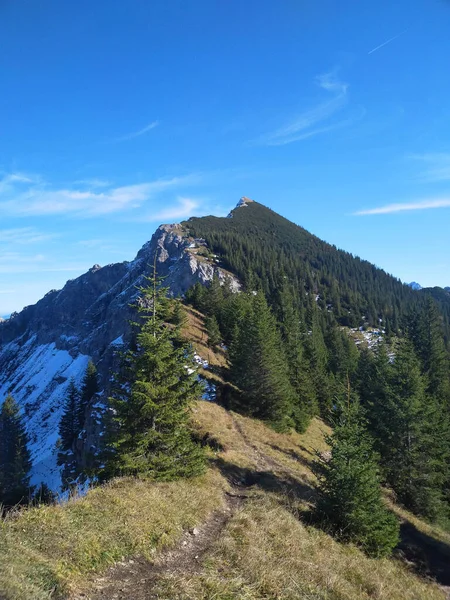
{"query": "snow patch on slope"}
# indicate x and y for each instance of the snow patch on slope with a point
(41, 371)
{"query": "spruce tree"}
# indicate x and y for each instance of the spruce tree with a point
(152, 398)
(293, 332)
(89, 388)
(427, 334)
(259, 367)
(15, 461)
(350, 502)
(213, 331)
(68, 434)
(414, 444)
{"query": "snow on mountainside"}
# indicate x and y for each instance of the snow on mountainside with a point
(414, 285)
(45, 345)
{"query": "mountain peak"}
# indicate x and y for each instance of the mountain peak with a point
(244, 201)
(414, 285)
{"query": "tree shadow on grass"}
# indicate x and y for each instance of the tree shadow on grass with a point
(294, 455)
(244, 478)
(426, 555)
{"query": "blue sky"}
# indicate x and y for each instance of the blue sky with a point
(117, 116)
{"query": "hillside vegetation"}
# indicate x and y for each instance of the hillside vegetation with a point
(261, 247)
(264, 548)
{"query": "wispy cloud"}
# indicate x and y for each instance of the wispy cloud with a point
(436, 166)
(317, 120)
(408, 206)
(43, 199)
(93, 183)
(24, 235)
(182, 209)
(135, 134)
(395, 37)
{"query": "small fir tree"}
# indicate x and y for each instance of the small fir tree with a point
(350, 503)
(152, 398)
(259, 367)
(213, 331)
(68, 434)
(89, 388)
(15, 461)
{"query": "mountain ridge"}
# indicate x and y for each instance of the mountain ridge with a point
(50, 342)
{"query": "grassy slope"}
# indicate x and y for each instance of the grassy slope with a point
(266, 551)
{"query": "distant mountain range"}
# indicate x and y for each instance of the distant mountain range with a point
(416, 286)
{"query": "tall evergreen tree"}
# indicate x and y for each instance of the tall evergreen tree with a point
(89, 388)
(258, 365)
(15, 461)
(213, 331)
(68, 434)
(427, 334)
(152, 399)
(293, 332)
(409, 427)
(416, 453)
(350, 502)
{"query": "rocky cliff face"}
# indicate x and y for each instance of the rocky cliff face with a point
(47, 344)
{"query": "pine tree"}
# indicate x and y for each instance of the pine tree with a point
(427, 334)
(414, 445)
(152, 399)
(350, 502)
(89, 388)
(44, 495)
(213, 331)
(15, 461)
(258, 366)
(293, 332)
(68, 434)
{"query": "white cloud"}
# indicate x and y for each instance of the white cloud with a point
(181, 210)
(135, 134)
(408, 206)
(42, 199)
(316, 120)
(436, 166)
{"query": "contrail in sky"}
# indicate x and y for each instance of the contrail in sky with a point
(387, 42)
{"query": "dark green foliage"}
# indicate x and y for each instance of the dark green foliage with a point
(152, 400)
(350, 503)
(15, 462)
(260, 246)
(426, 330)
(416, 461)
(294, 334)
(68, 434)
(213, 331)
(410, 428)
(89, 388)
(259, 367)
(43, 495)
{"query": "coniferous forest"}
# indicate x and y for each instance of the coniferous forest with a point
(295, 349)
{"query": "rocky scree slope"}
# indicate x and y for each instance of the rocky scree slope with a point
(47, 344)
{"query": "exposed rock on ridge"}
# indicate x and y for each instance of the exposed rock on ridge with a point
(47, 344)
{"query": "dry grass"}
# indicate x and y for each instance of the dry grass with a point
(213, 422)
(194, 330)
(267, 553)
(292, 450)
(54, 547)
